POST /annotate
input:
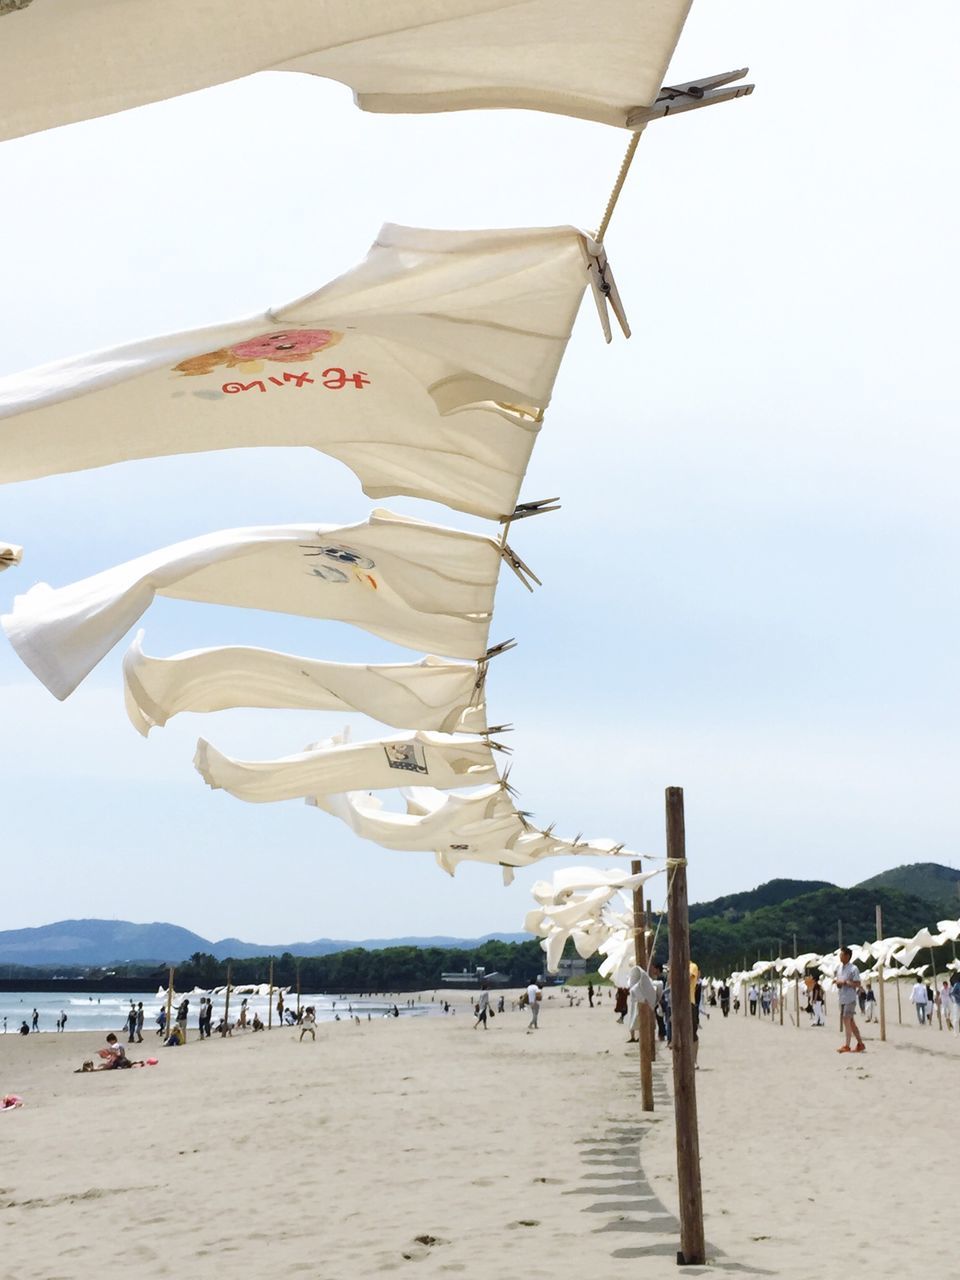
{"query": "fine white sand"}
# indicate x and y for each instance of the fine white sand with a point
(509, 1154)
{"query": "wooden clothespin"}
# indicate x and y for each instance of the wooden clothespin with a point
(690, 96)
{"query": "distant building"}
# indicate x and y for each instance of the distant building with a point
(475, 979)
(571, 968)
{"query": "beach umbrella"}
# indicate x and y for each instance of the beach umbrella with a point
(10, 555)
(417, 584)
(69, 60)
(426, 370)
(446, 760)
(433, 693)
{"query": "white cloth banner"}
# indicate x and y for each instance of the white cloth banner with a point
(9, 555)
(444, 760)
(425, 370)
(420, 585)
(68, 60)
(430, 694)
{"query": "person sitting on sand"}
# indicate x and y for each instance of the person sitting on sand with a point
(175, 1038)
(257, 1023)
(24, 1028)
(113, 1054)
(225, 1028)
(309, 1023)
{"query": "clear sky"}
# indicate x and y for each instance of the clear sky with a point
(751, 588)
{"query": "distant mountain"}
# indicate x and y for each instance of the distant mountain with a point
(117, 942)
(931, 881)
(771, 894)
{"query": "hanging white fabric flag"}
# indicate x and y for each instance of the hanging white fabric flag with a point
(485, 819)
(430, 694)
(425, 370)
(443, 760)
(9, 555)
(420, 585)
(68, 60)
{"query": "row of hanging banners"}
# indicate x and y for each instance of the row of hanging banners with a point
(426, 370)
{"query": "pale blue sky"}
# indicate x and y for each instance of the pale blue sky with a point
(750, 590)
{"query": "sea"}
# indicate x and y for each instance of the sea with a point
(107, 1011)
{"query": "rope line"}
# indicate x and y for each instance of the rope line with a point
(617, 187)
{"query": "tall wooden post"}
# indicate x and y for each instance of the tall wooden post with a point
(692, 1246)
(899, 1009)
(796, 996)
(644, 1012)
(298, 991)
(226, 1007)
(780, 1001)
(653, 1020)
(880, 994)
(270, 999)
(166, 1028)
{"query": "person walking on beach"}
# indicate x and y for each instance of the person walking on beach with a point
(752, 996)
(848, 983)
(139, 1022)
(35, 1025)
(161, 1021)
(946, 1004)
(816, 1004)
(309, 1023)
(590, 994)
(534, 998)
(724, 997)
(870, 1003)
(182, 1014)
(280, 1007)
(918, 997)
(483, 1008)
(132, 1024)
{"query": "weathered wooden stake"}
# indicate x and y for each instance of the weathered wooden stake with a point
(226, 1005)
(883, 1003)
(270, 1000)
(692, 1250)
(644, 1012)
(298, 990)
(899, 1009)
(166, 1029)
(796, 994)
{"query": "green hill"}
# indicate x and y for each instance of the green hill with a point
(733, 906)
(930, 881)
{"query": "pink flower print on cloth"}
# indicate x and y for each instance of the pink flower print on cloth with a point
(286, 345)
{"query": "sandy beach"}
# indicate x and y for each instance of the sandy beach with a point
(422, 1145)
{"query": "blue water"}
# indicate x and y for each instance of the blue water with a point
(107, 1011)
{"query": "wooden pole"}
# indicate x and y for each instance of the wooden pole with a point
(899, 1010)
(644, 1012)
(692, 1250)
(796, 996)
(166, 1028)
(880, 994)
(781, 999)
(298, 991)
(653, 1020)
(270, 1001)
(226, 1007)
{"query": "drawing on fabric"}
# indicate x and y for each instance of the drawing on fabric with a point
(406, 755)
(340, 564)
(285, 345)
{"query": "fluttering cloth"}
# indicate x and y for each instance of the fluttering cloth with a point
(484, 826)
(68, 60)
(9, 555)
(425, 370)
(418, 584)
(443, 760)
(430, 694)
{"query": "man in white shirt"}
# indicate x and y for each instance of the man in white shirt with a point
(918, 997)
(848, 984)
(534, 996)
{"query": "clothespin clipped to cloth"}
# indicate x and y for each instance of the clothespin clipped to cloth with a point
(672, 99)
(605, 292)
(9, 555)
(523, 571)
(524, 509)
(483, 663)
